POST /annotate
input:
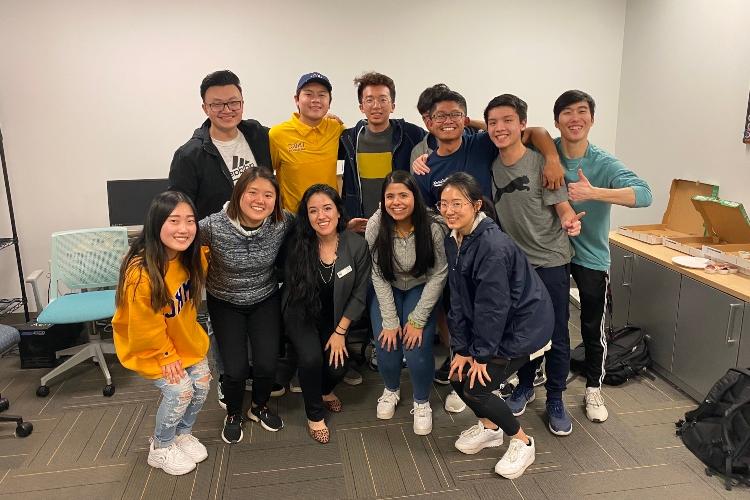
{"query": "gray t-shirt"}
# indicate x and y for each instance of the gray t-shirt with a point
(374, 162)
(526, 210)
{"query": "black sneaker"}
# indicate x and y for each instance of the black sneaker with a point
(232, 432)
(277, 390)
(267, 419)
(441, 374)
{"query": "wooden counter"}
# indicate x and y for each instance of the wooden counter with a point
(737, 285)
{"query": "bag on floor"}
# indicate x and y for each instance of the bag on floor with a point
(718, 431)
(627, 356)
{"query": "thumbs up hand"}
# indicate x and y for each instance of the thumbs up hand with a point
(581, 190)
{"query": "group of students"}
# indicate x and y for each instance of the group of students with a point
(476, 244)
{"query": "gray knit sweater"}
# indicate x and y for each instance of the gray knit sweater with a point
(241, 263)
(405, 255)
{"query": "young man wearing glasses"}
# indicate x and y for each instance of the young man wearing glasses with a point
(207, 166)
(375, 146)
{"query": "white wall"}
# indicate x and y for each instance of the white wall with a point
(97, 90)
(683, 97)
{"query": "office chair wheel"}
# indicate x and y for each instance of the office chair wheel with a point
(109, 390)
(4, 404)
(42, 391)
(24, 429)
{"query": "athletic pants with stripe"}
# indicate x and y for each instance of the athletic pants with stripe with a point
(592, 288)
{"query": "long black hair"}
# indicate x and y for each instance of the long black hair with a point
(421, 221)
(302, 261)
(147, 253)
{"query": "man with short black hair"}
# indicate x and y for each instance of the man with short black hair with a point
(539, 220)
(596, 181)
(206, 167)
(375, 146)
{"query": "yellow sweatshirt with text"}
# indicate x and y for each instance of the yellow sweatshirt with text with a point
(145, 340)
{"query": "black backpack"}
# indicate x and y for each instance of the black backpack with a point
(627, 356)
(718, 431)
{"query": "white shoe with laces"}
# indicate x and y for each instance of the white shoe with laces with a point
(191, 447)
(453, 403)
(516, 459)
(170, 459)
(595, 409)
(422, 418)
(387, 404)
(477, 437)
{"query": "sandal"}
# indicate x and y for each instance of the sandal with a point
(320, 435)
(333, 406)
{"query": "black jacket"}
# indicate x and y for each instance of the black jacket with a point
(351, 277)
(199, 171)
(499, 305)
(405, 136)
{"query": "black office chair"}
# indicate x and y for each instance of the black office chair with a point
(10, 337)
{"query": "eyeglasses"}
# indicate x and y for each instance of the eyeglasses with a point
(218, 107)
(442, 206)
(441, 117)
(383, 101)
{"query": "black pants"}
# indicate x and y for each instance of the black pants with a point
(483, 403)
(316, 377)
(592, 289)
(233, 325)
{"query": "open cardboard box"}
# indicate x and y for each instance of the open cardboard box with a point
(680, 218)
(729, 228)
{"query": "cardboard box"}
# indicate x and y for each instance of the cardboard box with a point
(680, 218)
(728, 227)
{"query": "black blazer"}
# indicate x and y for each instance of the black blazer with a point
(351, 275)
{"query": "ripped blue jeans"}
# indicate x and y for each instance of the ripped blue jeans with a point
(181, 403)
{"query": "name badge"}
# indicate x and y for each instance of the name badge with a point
(344, 271)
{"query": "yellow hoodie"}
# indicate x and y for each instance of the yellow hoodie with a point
(146, 340)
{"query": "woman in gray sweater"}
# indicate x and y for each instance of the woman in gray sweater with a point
(243, 293)
(408, 274)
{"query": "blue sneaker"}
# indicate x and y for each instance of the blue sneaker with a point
(518, 400)
(560, 423)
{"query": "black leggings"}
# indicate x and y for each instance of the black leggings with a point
(316, 377)
(233, 325)
(483, 403)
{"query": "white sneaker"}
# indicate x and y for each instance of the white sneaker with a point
(453, 403)
(422, 418)
(191, 447)
(595, 409)
(171, 459)
(516, 459)
(477, 437)
(387, 403)
(294, 385)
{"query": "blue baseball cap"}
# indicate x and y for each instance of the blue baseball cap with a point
(314, 77)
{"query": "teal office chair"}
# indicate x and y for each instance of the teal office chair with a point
(87, 261)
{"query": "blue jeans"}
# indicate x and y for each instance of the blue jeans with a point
(419, 360)
(181, 403)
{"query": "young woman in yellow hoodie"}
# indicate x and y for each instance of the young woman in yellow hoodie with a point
(156, 332)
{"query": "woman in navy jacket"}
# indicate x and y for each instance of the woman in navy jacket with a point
(500, 317)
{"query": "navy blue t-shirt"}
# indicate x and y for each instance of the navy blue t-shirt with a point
(475, 157)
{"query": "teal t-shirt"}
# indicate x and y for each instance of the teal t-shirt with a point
(605, 171)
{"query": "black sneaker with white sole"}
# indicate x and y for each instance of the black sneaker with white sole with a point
(232, 432)
(267, 419)
(441, 374)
